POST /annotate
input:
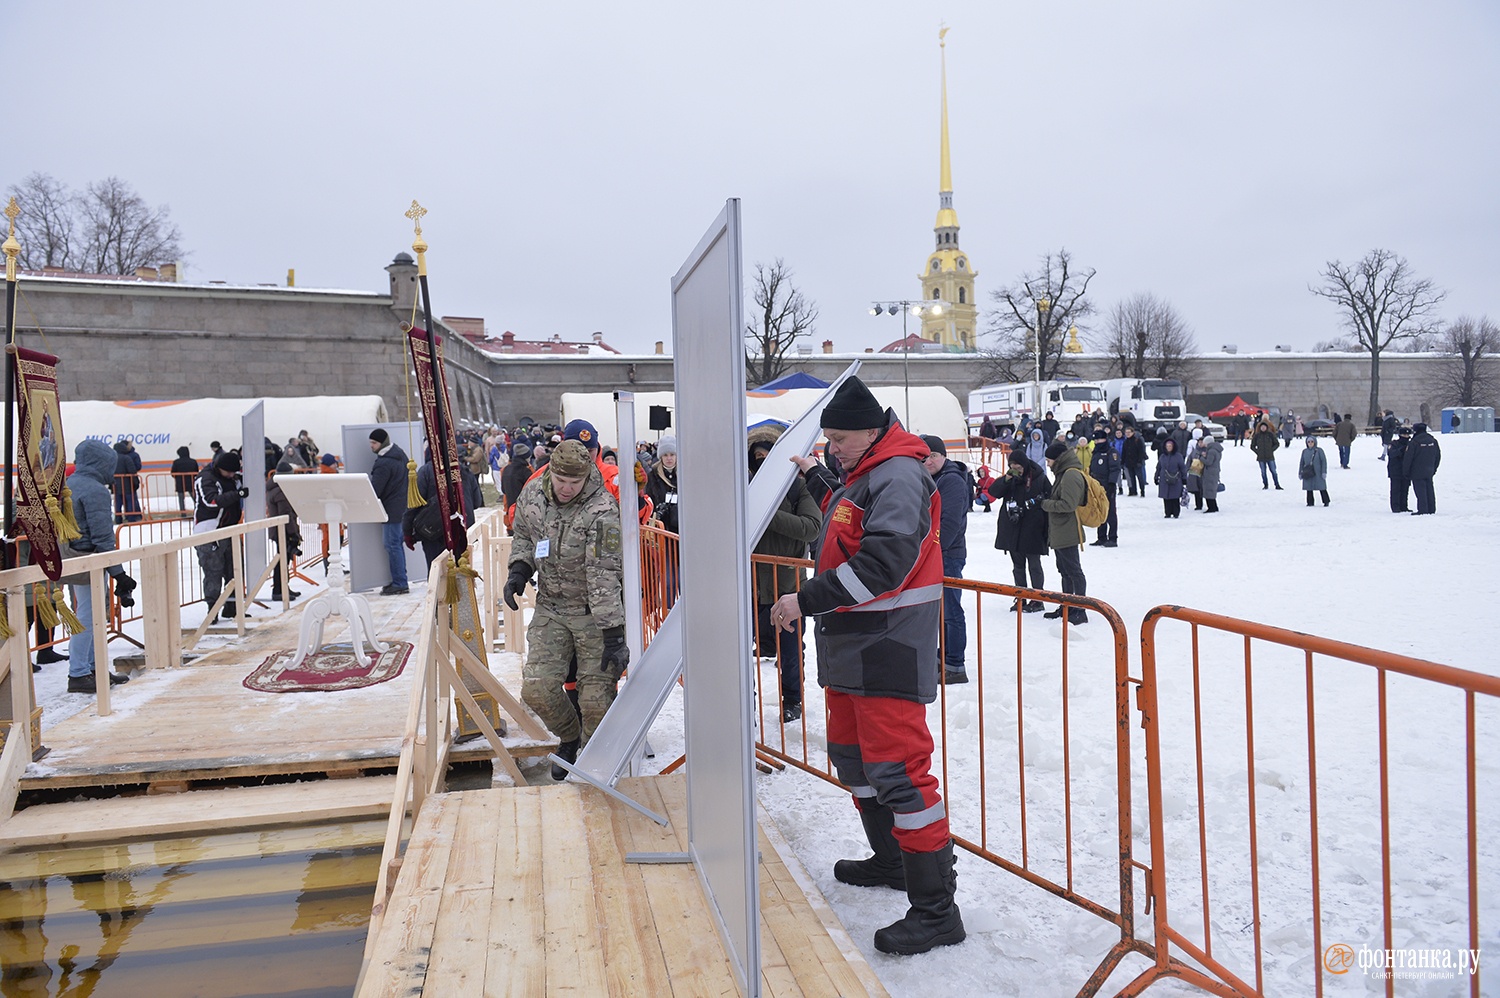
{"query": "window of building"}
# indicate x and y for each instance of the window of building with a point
(935, 295)
(962, 292)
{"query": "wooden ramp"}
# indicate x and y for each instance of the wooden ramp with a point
(526, 891)
(178, 727)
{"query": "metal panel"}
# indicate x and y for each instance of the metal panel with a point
(253, 471)
(365, 548)
(709, 364)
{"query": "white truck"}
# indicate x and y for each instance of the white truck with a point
(1006, 404)
(1152, 402)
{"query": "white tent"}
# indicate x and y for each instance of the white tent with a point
(933, 410)
(158, 428)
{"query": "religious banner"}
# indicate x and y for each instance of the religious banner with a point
(432, 385)
(44, 505)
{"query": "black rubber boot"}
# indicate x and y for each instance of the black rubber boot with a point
(883, 869)
(568, 752)
(933, 919)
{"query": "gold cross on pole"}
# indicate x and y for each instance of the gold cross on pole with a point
(419, 245)
(415, 213)
(11, 247)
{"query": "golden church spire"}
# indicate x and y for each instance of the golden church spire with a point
(945, 180)
(948, 277)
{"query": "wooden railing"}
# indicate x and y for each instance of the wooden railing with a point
(159, 596)
(436, 688)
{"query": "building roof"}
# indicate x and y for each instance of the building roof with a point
(508, 344)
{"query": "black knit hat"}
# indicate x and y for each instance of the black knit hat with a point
(1056, 449)
(853, 408)
(935, 444)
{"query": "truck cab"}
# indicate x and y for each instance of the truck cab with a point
(1151, 402)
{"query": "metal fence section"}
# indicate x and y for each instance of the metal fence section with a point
(1246, 677)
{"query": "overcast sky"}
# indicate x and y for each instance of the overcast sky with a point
(570, 155)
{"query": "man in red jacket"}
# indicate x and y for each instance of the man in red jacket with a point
(878, 597)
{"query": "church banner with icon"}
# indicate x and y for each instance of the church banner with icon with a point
(432, 384)
(44, 505)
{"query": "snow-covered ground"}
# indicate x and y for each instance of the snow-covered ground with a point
(1354, 571)
(1419, 586)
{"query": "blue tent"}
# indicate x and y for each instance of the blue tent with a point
(796, 379)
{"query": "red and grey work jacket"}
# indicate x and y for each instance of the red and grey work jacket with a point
(878, 590)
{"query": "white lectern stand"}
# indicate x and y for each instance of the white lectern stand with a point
(334, 499)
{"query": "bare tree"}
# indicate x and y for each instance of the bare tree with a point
(46, 226)
(1382, 302)
(783, 314)
(122, 232)
(1146, 338)
(1473, 375)
(1024, 328)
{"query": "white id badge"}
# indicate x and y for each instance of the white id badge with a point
(543, 546)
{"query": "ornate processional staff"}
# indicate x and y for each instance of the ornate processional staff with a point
(12, 250)
(434, 390)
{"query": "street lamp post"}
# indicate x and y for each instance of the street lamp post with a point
(1043, 306)
(906, 308)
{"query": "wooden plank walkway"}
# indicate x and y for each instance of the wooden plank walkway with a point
(526, 891)
(198, 723)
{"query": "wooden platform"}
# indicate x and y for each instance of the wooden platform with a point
(184, 726)
(526, 891)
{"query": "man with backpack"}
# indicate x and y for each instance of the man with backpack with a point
(1104, 467)
(1064, 530)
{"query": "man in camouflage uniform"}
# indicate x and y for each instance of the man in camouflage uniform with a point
(567, 531)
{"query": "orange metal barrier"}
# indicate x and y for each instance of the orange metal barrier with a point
(994, 816)
(1212, 720)
(661, 578)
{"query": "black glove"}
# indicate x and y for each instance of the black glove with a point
(242, 492)
(616, 656)
(124, 586)
(516, 584)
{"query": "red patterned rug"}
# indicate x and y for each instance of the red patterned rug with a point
(332, 668)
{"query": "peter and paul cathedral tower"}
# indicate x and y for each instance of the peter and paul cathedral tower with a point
(948, 276)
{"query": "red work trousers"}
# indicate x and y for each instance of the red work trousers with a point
(882, 749)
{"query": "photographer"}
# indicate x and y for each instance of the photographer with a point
(217, 499)
(1022, 526)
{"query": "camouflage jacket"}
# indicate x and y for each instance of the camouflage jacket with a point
(581, 572)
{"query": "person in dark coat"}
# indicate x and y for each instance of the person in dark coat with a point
(1104, 467)
(127, 482)
(1344, 434)
(1171, 479)
(1133, 459)
(956, 498)
(1021, 528)
(1070, 490)
(1211, 453)
(388, 476)
(1049, 427)
(1420, 464)
(1312, 469)
(277, 504)
(1395, 468)
(184, 470)
(1388, 424)
(514, 477)
(796, 524)
(1263, 444)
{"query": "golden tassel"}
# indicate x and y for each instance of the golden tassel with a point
(5, 631)
(46, 612)
(414, 498)
(60, 525)
(68, 516)
(451, 595)
(65, 613)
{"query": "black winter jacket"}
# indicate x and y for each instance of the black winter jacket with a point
(1422, 456)
(1022, 525)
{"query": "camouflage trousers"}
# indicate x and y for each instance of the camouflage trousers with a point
(551, 643)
